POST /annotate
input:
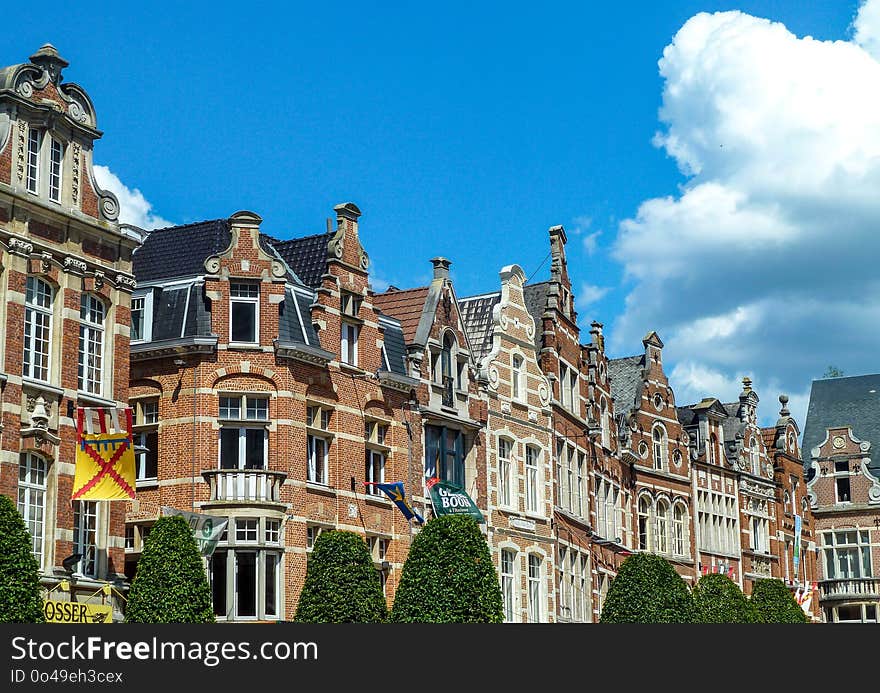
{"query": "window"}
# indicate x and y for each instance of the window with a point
(507, 584)
(444, 454)
(350, 303)
(841, 482)
(568, 387)
(534, 589)
(56, 157)
(32, 499)
(660, 451)
(580, 501)
(378, 547)
(644, 518)
(142, 318)
(244, 308)
(245, 572)
(532, 461)
(91, 344)
(847, 554)
(85, 524)
(318, 443)
(504, 472)
(760, 536)
(312, 534)
(375, 432)
(717, 519)
(755, 455)
(374, 471)
(35, 138)
(662, 527)
(605, 423)
(146, 437)
(39, 296)
(711, 449)
(679, 521)
(244, 446)
(349, 345)
(516, 378)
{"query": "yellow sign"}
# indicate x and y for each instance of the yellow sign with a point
(104, 459)
(74, 612)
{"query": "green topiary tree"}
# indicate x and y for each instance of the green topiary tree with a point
(448, 576)
(342, 585)
(647, 590)
(773, 602)
(170, 585)
(718, 599)
(20, 598)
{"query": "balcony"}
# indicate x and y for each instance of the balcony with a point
(850, 588)
(244, 486)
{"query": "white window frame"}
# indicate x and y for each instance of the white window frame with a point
(533, 465)
(35, 313)
(33, 476)
(56, 169)
(349, 335)
(505, 472)
(517, 388)
(317, 469)
(146, 317)
(374, 470)
(507, 572)
(88, 546)
(32, 164)
(660, 448)
(90, 377)
(534, 587)
(246, 299)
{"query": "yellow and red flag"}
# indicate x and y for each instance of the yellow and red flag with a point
(104, 455)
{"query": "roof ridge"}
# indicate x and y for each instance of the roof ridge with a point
(401, 291)
(176, 227)
(298, 238)
(476, 296)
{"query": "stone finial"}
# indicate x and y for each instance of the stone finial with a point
(783, 400)
(747, 384)
(347, 210)
(48, 59)
(441, 267)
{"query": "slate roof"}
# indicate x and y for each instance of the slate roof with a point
(686, 416)
(535, 297)
(180, 311)
(476, 314)
(306, 256)
(852, 401)
(180, 251)
(404, 305)
(732, 423)
(295, 319)
(625, 374)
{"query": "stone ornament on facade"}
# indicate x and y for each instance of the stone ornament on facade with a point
(19, 157)
(125, 281)
(73, 264)
(19, 247)
(75, 155)
(99, 279)
(45, 262)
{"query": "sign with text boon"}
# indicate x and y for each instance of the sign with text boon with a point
(74, 612)
(450, 499)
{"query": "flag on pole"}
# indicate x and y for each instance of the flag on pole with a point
(396, 493)
(104, 455)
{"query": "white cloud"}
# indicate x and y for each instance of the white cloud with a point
(765, 260)
(591, 242)
(134, 208)
(589, 294)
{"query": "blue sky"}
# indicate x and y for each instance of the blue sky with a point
(468, 130)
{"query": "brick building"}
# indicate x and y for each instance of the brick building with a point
(268, 390)
(841, 433)
(65, 287)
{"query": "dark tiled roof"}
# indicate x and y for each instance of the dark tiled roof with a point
(180, 311)
(850, 401)
(625, 375)
(686, 416)
(476, 314)
(404, 305)
(732, 423)
(535, 297)
(295, 319)
(180, 251)
(306, 256)
(395, 348)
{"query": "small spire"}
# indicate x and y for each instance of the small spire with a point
(783, 400)
(747, 384)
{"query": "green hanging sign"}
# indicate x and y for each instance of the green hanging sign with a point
(451, 499)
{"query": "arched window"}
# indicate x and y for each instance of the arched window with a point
(91, 344)
(644, 518)
(679, 520)
(712, 450)
(446, 356)
(533, 457)
(659, 438)
(662, 526)
(39, 296)
(508, 577)
(517, 386)
(605, 423)
(505, 472)
(32, 499)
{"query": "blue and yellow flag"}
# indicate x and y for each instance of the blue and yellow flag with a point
(397, 494)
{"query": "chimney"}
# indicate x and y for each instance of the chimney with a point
(597, 338)
(441, 267)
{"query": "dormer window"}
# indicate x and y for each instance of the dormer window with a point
(141, 318)
(244, 319)
(351, 304)
(35, 138)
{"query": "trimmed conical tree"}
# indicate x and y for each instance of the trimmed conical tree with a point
(20, 598)
(342, 585)
(647, 590)
(718, 599)
(448, 576)
(773, 602)
(170, 585)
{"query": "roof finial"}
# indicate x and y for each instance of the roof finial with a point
(783, 400)
(747, 384)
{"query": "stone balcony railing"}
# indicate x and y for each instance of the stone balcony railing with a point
(850, 588)
(244, 485)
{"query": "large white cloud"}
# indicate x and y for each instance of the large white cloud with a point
(134, 208)
(766, 261)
